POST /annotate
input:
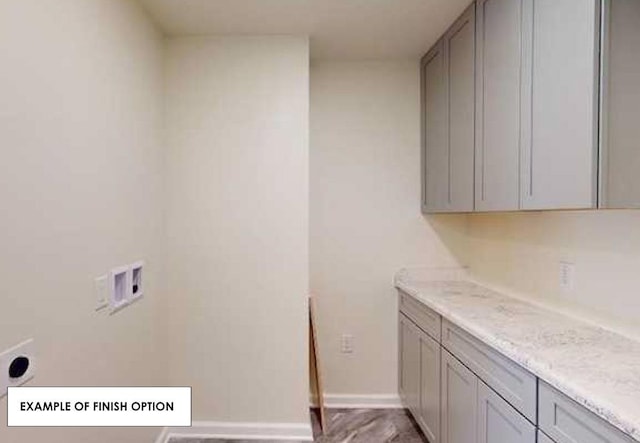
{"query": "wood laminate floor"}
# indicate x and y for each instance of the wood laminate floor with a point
(353, 426)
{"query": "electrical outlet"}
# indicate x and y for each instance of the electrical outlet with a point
(346, 344)
(567, 275)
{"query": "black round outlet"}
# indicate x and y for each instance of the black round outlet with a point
(18, 367)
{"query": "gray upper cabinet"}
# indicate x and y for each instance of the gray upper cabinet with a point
(498, 422)
(499, 65)
(435, 150)
(525, 78)
(459, 43)
(459, 405)
(620, 131)
(448, 102)
(559, 157)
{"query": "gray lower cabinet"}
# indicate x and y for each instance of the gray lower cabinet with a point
(423, 317)
(516, 385)
(459, 406)
(420, 377)
(460, 390)
(542, 438)
(474, 413)
(409, 354)
(429, 416)
(565, 421)
(498, 422)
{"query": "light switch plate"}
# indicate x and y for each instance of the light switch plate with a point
(24, 349)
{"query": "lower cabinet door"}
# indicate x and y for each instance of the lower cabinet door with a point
(542, 438)
(410, 365)
(429, 418)
(498, 422)
(459, 401)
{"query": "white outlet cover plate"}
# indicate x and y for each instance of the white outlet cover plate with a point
(101, 288)
(25, 349)
(347, 344)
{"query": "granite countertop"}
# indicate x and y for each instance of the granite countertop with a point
(597, 368)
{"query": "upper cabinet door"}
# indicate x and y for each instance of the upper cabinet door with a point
(459, 43)
(435, 150)
(499, 87)
(620, 131)
(448, 102)
(560, 121)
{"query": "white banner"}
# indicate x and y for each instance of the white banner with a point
(99, 406)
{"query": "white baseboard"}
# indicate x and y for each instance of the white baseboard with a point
(279, 431)
(240, 431)
(361, 401)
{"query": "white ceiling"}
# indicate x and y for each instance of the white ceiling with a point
(339, 29)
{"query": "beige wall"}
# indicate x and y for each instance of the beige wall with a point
(237, 133)
(81, 191)
(520, 252)
(365, 215)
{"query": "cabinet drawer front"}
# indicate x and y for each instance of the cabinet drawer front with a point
(565, 421)
(428, 320)
(512, 382)
(498, 422)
